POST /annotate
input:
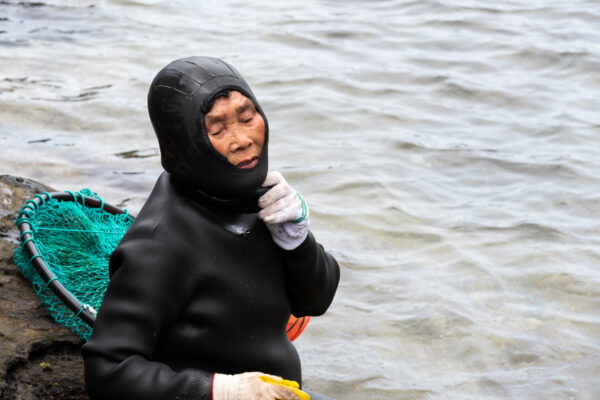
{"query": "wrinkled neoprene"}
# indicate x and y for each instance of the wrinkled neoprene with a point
(199, 287)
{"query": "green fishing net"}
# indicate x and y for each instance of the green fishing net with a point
(75, 241)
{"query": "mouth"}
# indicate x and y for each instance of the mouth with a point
(248, 163)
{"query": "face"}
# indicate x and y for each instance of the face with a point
(236, 130)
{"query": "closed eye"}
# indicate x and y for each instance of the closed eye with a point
(214, 133)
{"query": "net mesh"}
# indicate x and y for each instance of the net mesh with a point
(75, 241)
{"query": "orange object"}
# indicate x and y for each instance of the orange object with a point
(295, 326)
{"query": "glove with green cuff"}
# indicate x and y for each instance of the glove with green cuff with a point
(284, 212)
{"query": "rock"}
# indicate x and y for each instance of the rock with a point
(39, 359)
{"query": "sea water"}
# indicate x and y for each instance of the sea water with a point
(449, 151)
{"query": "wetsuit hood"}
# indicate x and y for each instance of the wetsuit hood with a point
(178, 102)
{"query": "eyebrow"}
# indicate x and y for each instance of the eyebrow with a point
(243, 107)
(220, 117)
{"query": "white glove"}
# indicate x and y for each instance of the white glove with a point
(255, 386)
(284, 212)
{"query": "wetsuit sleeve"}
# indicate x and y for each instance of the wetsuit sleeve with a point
(145, 295)
(312, 276)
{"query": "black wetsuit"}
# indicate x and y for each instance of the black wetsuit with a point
(197, 284)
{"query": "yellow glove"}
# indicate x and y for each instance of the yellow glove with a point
(292, 385)
(255, 386)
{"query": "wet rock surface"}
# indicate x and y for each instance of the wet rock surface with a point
(39, 359)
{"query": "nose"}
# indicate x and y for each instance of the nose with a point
(240, 140)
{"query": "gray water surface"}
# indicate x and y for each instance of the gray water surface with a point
(448, 150)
